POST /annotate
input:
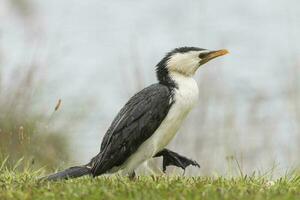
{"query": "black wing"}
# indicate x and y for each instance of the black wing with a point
(134, 124)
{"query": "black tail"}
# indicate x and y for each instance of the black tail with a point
(72, 172)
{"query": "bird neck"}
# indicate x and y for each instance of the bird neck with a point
(181, 79)
(172, 79)
(164, 77)
(167, 80)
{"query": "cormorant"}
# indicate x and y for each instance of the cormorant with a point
(150, 119)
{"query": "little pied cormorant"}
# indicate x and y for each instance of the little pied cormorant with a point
(150, 119)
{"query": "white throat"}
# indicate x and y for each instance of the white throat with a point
(186, 86)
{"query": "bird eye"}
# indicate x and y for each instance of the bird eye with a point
(202, 55)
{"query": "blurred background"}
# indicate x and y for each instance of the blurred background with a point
(67, 67)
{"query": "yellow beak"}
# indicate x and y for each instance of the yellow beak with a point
(213, 54)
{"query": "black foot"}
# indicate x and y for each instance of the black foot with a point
(173, 158)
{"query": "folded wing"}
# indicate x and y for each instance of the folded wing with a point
(133, 125)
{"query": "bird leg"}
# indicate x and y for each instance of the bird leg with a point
(173, 158)
(153, 168)
(132, 176)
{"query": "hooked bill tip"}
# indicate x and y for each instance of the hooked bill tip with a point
(222, 52)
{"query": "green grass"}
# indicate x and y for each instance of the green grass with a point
(26, 186)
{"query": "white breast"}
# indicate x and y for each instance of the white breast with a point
(185, 97)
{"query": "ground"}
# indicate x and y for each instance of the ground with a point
(26, 186)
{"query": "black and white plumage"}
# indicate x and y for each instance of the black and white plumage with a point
(150, 119)
(136, 122)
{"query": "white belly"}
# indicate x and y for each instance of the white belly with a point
(185, 98)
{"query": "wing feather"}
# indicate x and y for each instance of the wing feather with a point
(133, 125)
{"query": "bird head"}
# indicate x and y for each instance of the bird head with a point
(186, 60)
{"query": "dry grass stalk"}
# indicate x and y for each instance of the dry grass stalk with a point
(21, 134)
(58, 105)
